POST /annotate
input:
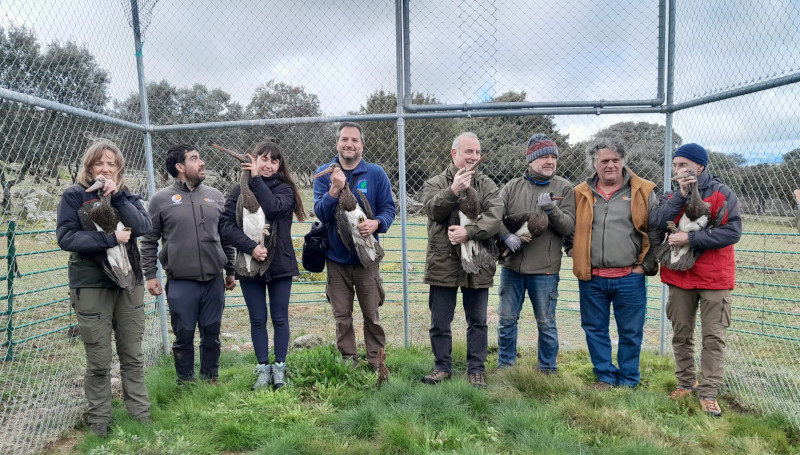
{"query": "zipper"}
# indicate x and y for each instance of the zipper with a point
(196, 236)
(90, 315)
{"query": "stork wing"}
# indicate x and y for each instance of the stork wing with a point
(365, 205)
(343, 227)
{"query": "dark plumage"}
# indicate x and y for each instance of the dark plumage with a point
(527, 226)
(251, 220)
(695, 217)
(475, 254)
(348, 216)
(121, 263)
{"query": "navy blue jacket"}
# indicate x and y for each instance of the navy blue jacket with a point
(83, 270)
(371, 180)
(277, 201)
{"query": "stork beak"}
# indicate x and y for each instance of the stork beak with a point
(238, 156)
(328, 170)
(99, 182)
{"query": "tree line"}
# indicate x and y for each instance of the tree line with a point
(36, 143)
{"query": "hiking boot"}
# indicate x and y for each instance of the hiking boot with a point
(503, 366)
(264, 378)
(100, 429)
(436, 376)
(682, 391)
(710, 406)
(278, 374)
(602, 386)
(144, 420)
(478, 380)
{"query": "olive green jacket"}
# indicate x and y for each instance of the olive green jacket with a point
(443, 261)
(541, 255)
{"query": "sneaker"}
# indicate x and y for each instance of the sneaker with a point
(436, 376)
(278, 374)
(682, 391)
(478, 380)
(264, 378)
(503, 366)
(548, 372)
(602, 386)
(710, 406)
(100, 429)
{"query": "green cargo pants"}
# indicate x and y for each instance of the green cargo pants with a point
(99, 311)
(715, 317)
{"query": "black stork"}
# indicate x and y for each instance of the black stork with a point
(251, 220)
(121, 262)
(348, 216)
(526, 225)
(695, 217)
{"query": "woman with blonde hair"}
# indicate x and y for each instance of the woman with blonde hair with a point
(98, 222)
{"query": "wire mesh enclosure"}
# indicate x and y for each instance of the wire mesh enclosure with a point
(149, 75)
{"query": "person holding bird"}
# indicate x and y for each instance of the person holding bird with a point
(464, 211)
(266, 179)
(708, 283)
(101, 304)
(539, 211)
(354, 198)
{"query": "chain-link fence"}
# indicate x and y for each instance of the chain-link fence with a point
(653, 73)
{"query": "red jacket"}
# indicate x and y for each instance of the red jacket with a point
(716, 266)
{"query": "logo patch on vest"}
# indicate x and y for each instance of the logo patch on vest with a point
(176, 198)
(362, 186)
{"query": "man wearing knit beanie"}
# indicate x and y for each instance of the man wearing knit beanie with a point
(708, 283)
(533, 266)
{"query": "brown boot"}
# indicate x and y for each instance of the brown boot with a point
(436, 376)
(682, 391)
(478, 380)
(710, 406)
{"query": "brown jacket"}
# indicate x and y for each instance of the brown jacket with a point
(641, 204)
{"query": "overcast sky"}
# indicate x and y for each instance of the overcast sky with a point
(461, 52)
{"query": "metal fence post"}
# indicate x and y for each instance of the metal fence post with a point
(11, 258)
(148, 152)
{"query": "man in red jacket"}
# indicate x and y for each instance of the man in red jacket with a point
(707, 284)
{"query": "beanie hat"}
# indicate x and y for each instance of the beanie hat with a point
(693, 152)
(540, 145)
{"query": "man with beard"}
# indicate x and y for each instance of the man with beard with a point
(346, 275)
(186, 218)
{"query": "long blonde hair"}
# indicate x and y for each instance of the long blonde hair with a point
(93, 154)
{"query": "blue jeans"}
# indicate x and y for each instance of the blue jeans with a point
(255, 296)
(543, 292)
(629, 297)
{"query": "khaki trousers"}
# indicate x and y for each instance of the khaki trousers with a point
(715, 316)
(343, 279)
(99, 311)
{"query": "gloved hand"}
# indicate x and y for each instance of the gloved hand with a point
(512, 241)
(546, 202)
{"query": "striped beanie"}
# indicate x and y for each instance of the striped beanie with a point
(540, 145)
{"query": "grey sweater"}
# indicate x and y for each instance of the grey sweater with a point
(187, 223)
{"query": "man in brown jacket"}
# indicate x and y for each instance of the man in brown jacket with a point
(443, 270)
(610, 257)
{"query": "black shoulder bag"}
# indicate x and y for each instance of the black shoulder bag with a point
(315, 244)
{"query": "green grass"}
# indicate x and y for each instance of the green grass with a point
(328, 408)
